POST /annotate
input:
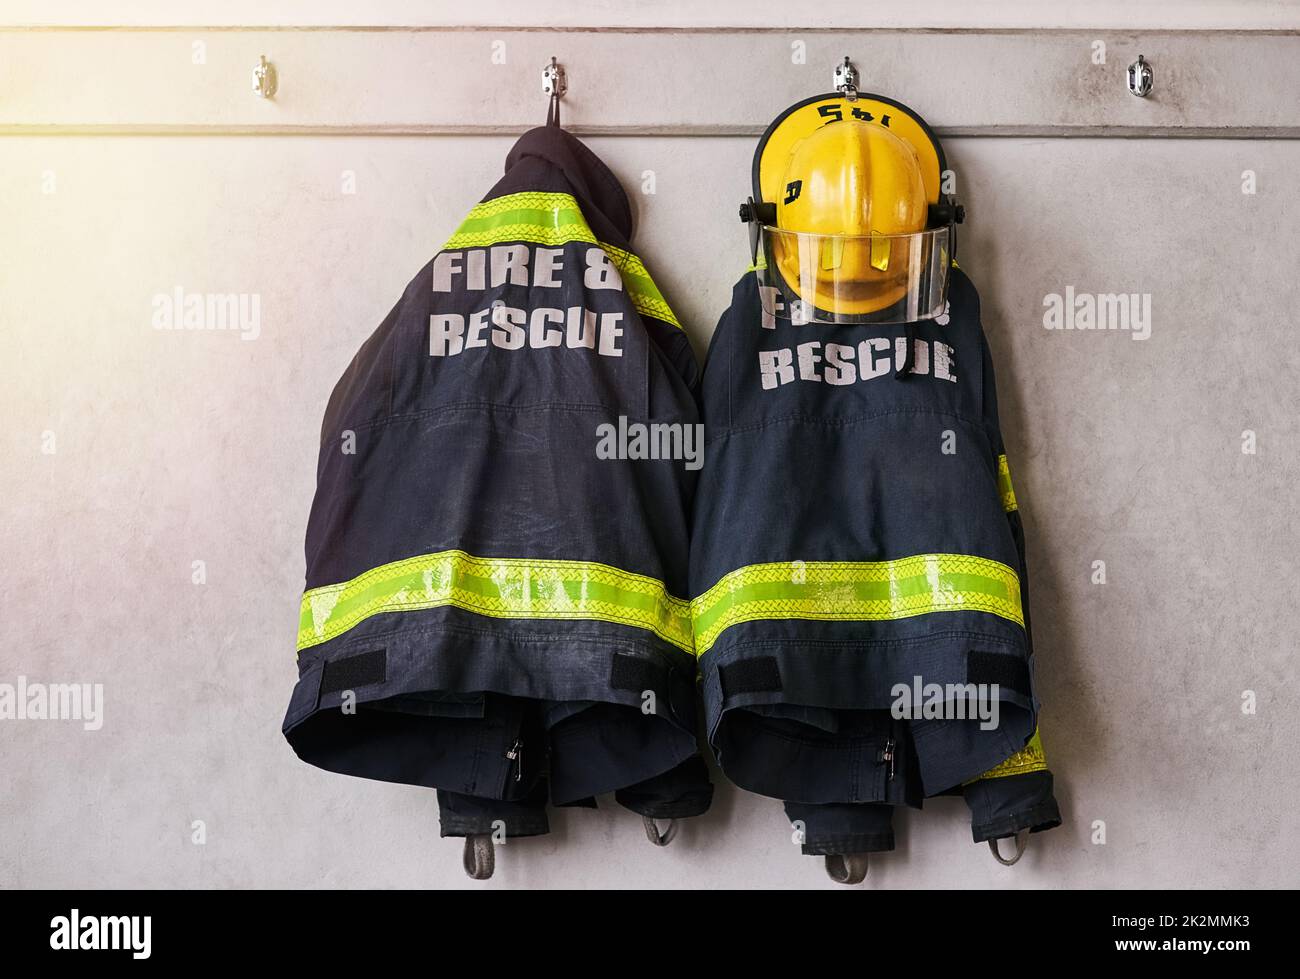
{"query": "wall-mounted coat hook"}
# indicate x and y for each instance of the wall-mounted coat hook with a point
(554, 81)
(1140, 78)
(846, 80)
(264, 80)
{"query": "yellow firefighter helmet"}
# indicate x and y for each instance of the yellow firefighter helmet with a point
(850, 225)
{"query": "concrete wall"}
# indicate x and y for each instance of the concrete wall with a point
(171, 448)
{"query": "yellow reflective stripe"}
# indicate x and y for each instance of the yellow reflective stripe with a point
(541, 218)
(1004, 485)
(641, 289)
(1030, 758)
(552, 219)
(506, 588)
(864, 591)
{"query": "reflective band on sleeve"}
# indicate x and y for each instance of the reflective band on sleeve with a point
(1030, 758)
(506, 588)
(863, 591)
(1004, 485)
(553, 219)
(645, 295)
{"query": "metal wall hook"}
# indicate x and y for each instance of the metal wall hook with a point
(554, 81)
(1140, 78)
(264, 80)
(846, 80)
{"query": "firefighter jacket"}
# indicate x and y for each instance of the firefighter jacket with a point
(491, 607)
(858, 567)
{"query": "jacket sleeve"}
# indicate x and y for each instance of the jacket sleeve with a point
(1017, 794)
(1006, 491)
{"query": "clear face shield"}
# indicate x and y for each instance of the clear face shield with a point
(852, 279)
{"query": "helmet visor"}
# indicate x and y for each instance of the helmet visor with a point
(848, 279)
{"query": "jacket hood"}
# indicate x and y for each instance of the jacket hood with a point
(594, 184)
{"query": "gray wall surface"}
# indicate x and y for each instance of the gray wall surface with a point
(176, 447)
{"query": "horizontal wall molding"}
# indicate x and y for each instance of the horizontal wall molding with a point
(595, 29)
(717, 14)
(637, 81)
(946, 132)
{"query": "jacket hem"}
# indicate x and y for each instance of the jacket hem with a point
(780, 713)
(1044, 816)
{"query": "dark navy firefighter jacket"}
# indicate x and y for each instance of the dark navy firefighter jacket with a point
(857, 555)
(490, 608)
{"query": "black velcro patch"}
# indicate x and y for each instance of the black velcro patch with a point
(355, 671)
(635, 673)
(754, 675)
(1007, 671)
